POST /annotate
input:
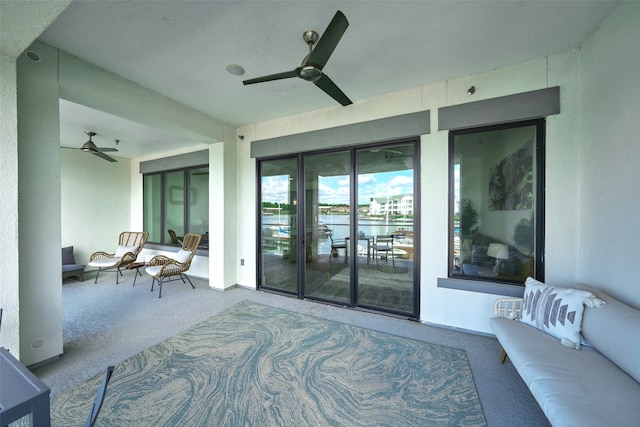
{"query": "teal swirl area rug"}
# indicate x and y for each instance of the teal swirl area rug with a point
(255, 365)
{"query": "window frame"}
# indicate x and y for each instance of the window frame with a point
(354, 170)
(165, 239)
(495, 285)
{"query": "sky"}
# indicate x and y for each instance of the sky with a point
(335, 189)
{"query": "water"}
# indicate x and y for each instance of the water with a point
(339, 225)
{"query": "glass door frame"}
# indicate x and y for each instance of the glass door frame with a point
(258, 234)
(353, 243)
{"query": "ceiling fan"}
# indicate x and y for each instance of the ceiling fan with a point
(90, 147)
(315, 60)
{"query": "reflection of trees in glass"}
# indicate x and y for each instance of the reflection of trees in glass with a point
(468, 218)
(523, 235)
(275, 206)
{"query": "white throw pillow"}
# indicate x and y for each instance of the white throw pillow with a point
(124, 249)
(182, 256)
(556, 311)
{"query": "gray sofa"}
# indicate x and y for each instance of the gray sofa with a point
(474, 260)
(596, 385)
(70, 268)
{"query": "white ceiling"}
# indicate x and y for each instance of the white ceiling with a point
(135, 139)
(180, 49)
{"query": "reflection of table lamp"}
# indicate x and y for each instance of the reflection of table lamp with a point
(499, 251)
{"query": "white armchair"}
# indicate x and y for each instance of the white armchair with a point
(166, 269)
(130, 243)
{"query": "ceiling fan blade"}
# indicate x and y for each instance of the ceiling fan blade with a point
(327, 85)
(278, 76)
(328, 41)
(104, 156)
(103, 149)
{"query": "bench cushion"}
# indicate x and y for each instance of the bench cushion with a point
(573, 387)
(613, 330)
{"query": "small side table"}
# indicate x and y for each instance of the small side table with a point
(136, 266)
(21, 393)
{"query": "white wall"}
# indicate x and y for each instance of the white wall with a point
(609, 196)
(592, 152)
(467, 310)
(9, 290)
(39, 207)
(95, 203)
(21, 23)
(246, 214)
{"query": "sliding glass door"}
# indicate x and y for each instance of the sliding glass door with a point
(328, 225)
(349, 234)
(386, 228)
(278, 225)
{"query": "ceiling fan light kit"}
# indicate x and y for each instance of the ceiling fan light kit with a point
(313, 63)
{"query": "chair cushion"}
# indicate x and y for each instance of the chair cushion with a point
(67, 255)
(122, 249)
(153, 270)
(182, 256)
(105, 262)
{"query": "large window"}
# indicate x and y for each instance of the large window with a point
(176, 203)
(497, 202)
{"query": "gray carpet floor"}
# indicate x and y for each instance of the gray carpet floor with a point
(105, 323)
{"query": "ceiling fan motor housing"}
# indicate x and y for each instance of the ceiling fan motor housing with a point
(310, 73)
(89, 145)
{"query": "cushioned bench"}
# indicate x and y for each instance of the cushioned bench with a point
(69, 266)
(595, 385)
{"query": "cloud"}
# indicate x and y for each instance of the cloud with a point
(325, 192)
(344, 181)
(275, 189)
(401, 180)
(335, 190)
(367, 178)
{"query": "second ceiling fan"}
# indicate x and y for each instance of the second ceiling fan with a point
(316, 59)
(90, 147)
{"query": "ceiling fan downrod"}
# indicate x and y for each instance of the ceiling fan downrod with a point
(310, 73)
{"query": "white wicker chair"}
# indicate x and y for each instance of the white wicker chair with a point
(130, 243)
(165, 269)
